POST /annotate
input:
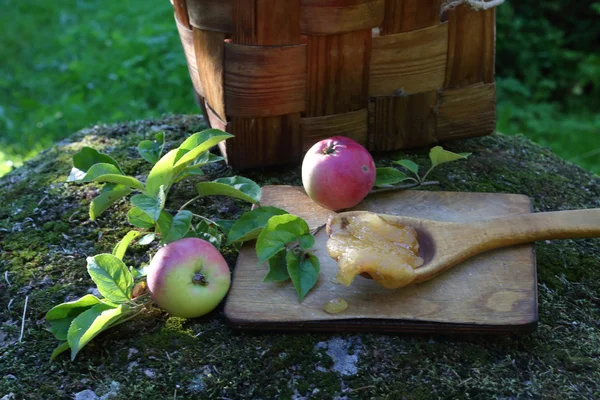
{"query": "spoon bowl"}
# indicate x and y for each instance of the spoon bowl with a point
(442, 245)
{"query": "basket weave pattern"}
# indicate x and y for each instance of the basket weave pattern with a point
(281, 75)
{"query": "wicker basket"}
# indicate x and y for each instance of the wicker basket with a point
(392, 74)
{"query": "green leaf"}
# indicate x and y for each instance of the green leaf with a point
(288, 222)
(59, 317)
(65, 310)
(150, 150)
(270, 243)
(107, 197)
(64, 346)
(99, 170)
(84, 159)
(147, 239)
(179, 226)
(197, 144)
(209, 232)
(304, 271)
(110, 173)
(195, 168)
(92, 322)
(164, 223)
(277, 268)
(389, 176)
(440, 156)
(121, 180)
(307, 241)
(236, 186)
(112, 277)
(188, 172)
(251, 223)
(225, 224)
(205, 158)
(409, 165)
(121, 247)
(137, 217)
(60, 327)
(161, 174)
(279, 231)
(149, 205)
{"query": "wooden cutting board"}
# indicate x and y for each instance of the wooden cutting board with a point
(495, 292)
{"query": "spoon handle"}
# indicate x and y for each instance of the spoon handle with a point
(527, 228)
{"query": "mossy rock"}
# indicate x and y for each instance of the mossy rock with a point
(46, 235)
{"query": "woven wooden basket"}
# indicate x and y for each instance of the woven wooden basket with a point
(281, 75)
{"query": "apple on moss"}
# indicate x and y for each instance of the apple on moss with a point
(338, 173)
(188, 278)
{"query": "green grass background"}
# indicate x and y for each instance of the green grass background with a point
(68, 64)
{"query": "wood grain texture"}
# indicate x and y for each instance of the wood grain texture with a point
(266, 22)
(352, 125)
(402, 122)
(181, 12)
(214, 120)
(406, 63)
(201, 102)
(338, 73)
(264, 81)
(264, 141)
(208, 47)
(244, 22)
(327, 17)
(494, 292)
(410, 15)
(187, 40)
(466, 112)
(271, 140)
(471, 46)
(449, 249)
(280, 22)
(211, 15)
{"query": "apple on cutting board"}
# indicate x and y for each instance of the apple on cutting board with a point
(338, 173)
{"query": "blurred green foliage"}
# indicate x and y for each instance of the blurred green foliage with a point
(548, 75)
(68, 64)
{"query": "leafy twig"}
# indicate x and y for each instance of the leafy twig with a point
(210, 221)
(388, 178)
(427, 173)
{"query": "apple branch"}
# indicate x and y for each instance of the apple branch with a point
(187, 203)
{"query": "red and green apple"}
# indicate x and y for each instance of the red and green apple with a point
(188, 278)
(338, 173)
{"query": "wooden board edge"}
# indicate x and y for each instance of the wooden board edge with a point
(360, 325)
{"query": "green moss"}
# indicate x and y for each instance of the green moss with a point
(45, 236)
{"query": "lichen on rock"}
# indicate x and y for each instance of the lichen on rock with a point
(46, 235)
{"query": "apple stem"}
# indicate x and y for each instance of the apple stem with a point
(199, 279)
(329, 149)
(317, 229)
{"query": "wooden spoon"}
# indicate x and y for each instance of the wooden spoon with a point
(446, 244)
